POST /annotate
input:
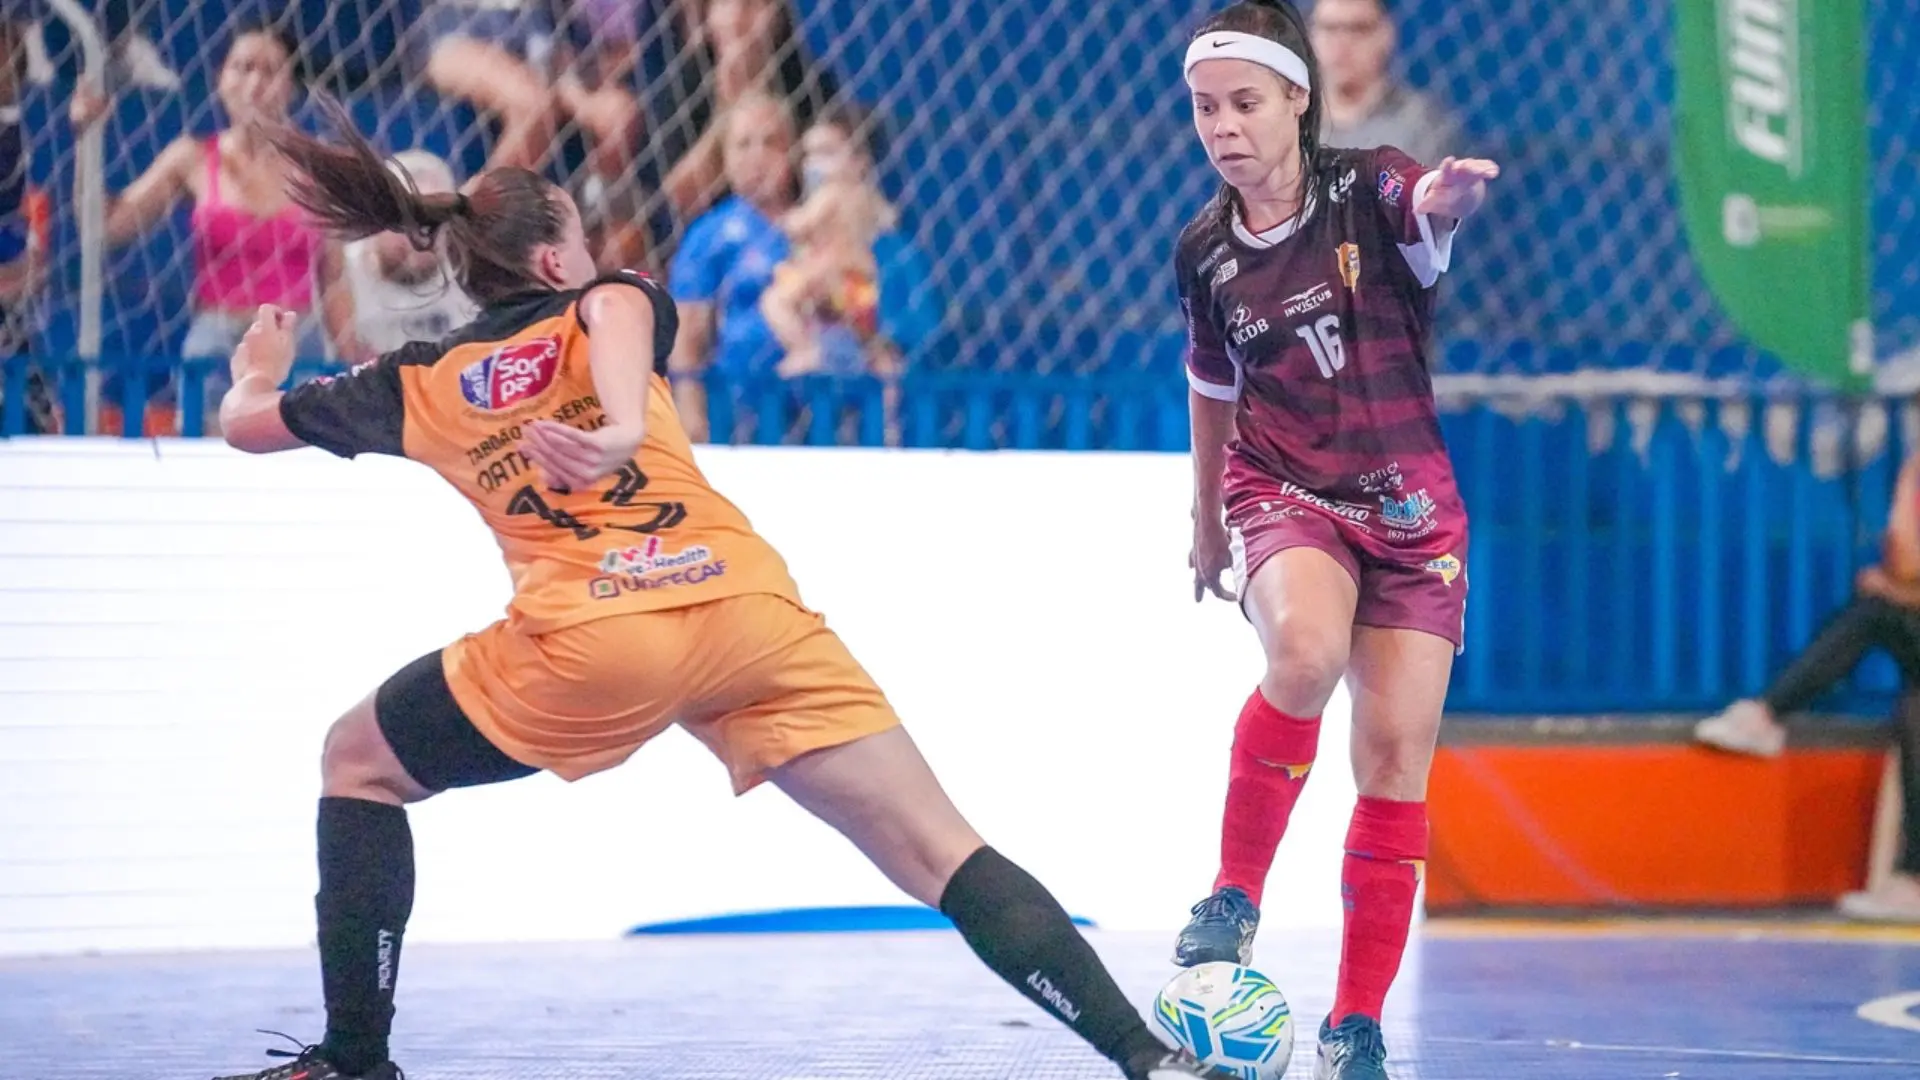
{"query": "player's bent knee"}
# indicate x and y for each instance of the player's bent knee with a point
(356, 762)
(1307, 659)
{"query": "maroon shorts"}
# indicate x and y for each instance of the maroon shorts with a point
(1418, 594)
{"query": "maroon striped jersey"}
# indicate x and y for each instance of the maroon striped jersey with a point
(1319, 329)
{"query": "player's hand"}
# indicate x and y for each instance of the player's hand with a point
(1459, 187)
(1873, 581)
(265, 351)
(88, 107)
(1212, 556)
(574, 460)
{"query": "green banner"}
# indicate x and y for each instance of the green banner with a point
(1771, 148)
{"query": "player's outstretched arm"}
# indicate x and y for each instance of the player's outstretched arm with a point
(250, 413)
(619, 324)
(1458, 189)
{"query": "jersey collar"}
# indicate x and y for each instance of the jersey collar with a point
(1274, 236)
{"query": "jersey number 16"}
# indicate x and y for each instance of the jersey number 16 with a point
(1323, 337)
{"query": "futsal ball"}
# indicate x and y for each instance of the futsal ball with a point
(1231, 1017)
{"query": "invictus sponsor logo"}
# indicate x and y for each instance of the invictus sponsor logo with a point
(1302, 302)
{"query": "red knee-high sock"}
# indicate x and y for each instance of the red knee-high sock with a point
(1386, 856)
(1272, 754)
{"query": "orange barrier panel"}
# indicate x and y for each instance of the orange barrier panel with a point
(1596, 826)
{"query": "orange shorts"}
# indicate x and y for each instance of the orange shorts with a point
(758, 678)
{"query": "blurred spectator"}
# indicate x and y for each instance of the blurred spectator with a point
(734, 48)
(854, 295)
(495, 55)
(728, 257)
(598, 87)
(132, 57)
(531, 64)
(824, 301)
(401, 293)
(22, 266)
(252, 246)
(1884, 613)
(1366, 106)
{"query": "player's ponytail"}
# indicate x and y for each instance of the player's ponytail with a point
(351, 191)
(1278, 21)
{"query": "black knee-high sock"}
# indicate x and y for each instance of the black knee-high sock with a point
(366, 895)
(1906, 727)
(1016, 926)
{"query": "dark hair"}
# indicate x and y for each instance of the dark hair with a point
(352, 192)
(277, 29)
(1277, 20)
(858, 123)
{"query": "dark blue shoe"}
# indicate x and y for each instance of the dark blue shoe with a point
(1221, 931)
(310, 1064)
(1353, 1051)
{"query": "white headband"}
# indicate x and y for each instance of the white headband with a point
(1233, 45)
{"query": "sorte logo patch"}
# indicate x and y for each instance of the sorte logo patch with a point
(511, 374)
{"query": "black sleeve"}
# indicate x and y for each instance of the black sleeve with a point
(666, 316)
(360, 412)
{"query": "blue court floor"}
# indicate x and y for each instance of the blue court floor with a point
(1479, 1001)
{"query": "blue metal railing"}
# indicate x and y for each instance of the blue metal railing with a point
(1629, 553)
(128, 384)
(1664, 554)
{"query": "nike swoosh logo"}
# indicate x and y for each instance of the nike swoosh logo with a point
(1221, 44)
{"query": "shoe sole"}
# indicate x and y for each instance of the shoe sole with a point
(1244, 958)
(1321, 1069)
(1737, 746)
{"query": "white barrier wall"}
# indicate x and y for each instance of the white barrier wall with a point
(179, 623)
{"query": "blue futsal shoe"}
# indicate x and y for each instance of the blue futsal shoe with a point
(1221, 930)
(1356, 1050)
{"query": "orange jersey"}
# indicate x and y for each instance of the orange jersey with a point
(655, 535)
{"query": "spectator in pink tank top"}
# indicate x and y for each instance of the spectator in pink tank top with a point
(251, 244)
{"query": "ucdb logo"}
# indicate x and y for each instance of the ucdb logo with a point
(511, 374)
